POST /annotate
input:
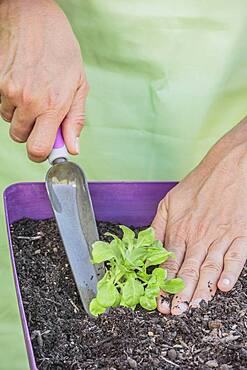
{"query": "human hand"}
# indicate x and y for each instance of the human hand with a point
(203, 221)
(42, 81)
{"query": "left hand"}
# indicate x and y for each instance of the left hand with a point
(203, 220)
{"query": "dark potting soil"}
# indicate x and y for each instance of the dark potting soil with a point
(64, 337)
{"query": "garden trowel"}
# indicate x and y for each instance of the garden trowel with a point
(70, 199)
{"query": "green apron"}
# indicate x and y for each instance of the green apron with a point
(168, 78)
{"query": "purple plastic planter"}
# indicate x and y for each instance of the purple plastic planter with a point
(129, 203)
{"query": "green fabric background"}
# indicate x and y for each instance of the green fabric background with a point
(167, 78)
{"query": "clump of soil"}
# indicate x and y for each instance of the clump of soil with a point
(64, 337)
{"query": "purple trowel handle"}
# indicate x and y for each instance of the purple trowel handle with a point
(59, 142)
(59, 149)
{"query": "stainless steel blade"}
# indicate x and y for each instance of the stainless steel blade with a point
(70, 199)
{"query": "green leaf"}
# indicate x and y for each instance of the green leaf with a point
(115, 237)
(157, 244)
(136, 256)
(146, 237)
(102, 252)
(152, 291)
(107, 293)
(160, 274)
(117, 300)
(156, 259)
(121, 246)
(95, 308)
(148, 303)
(115, 246)
(128, 234)
(152, 280)
(132, 291)
(123, 303)
(173, 286)
(143, 276)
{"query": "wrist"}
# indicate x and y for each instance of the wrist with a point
(235, 137)
(232, 141)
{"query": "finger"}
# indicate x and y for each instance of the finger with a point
(159, 226)
(7, 109)
(210, 272)
(164, 303)
(189, 272)
(234, 262)
(42, 137)
(22, 123)
(160, 220)
(75, 119)
(172, 266)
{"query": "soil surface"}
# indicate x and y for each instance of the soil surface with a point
(64, 337)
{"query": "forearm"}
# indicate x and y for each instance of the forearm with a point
(30, 21)
(11, 10)
(235, 139)
(26, 3)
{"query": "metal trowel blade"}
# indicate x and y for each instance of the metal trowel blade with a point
(70, 199)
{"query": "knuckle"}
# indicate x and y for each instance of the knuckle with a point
(10, 91)
(27, 97)
(211, 265)
(171, 266)
(190, 270)
(234, 256)
(79, 121)
(177, 237)
(162, 206)
(51, 102)
(52, 99)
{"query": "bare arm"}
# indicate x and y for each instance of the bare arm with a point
(42, 80)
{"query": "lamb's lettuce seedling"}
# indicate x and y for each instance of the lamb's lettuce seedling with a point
(127, 281)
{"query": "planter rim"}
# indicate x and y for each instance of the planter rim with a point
(13, 185)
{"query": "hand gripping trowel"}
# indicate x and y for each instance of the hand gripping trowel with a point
(70, 199)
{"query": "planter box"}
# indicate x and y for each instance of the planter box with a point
(132, 203)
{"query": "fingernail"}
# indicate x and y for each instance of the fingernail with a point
(164, 301)
(196, 303)
(182, 307)
(164, 304)
(226, 282)
(77, 145)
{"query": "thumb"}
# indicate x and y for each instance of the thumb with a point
(74, 120)
(160, 220)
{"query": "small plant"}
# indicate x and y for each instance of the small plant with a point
(127, 281)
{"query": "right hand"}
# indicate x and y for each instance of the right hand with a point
(42, 81)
